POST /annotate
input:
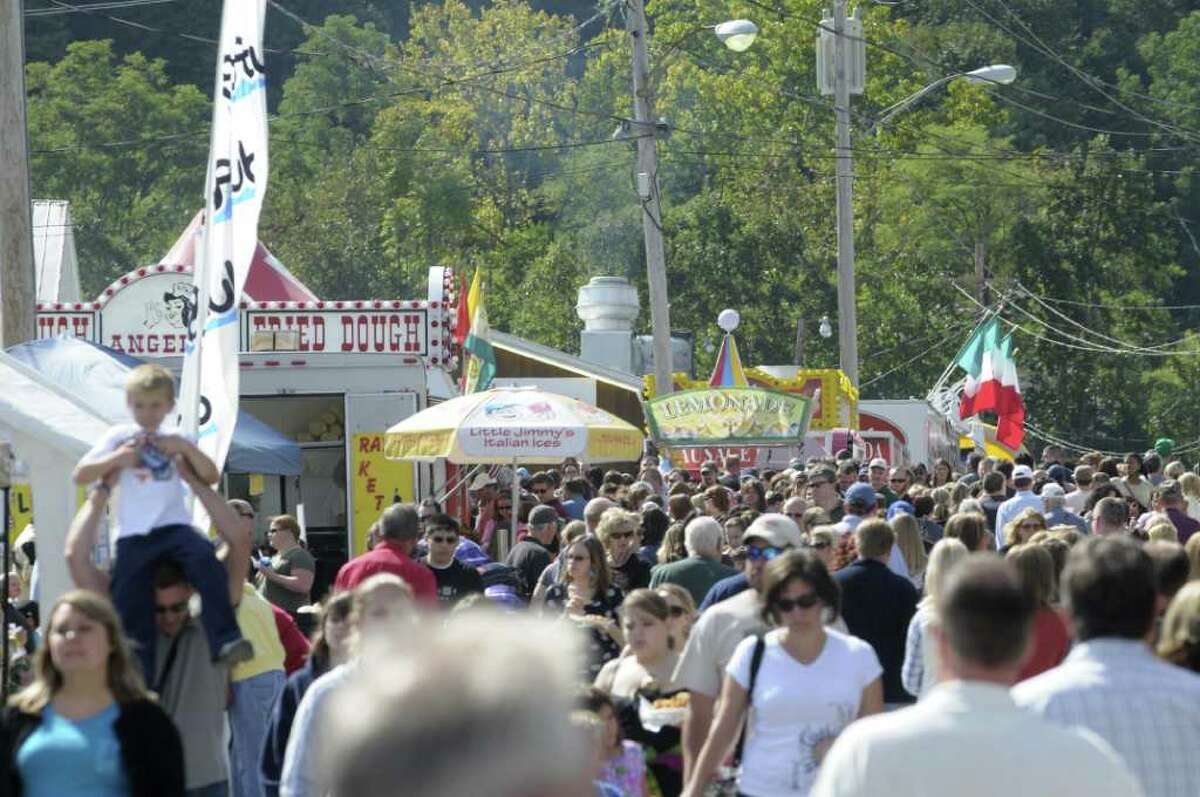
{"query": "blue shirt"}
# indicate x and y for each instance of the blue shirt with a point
(73, 758)
(724, 589)
(574, 508)
(1064, 517)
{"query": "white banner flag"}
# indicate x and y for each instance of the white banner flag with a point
(235, 184)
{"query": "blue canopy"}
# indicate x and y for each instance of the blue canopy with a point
(96, 374)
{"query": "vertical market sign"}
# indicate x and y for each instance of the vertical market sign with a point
(728, 416)
(376, 483)
(234, 187)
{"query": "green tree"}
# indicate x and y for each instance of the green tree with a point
(124, 146)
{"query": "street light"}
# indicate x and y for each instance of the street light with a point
(996, 74)
(737, 35)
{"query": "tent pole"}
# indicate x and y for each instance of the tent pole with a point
(516, 505)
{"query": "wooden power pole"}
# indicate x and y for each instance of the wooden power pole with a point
(17, 280)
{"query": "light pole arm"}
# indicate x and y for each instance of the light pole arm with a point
(909, 101)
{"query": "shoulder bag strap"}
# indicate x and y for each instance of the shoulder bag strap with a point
(760, 646)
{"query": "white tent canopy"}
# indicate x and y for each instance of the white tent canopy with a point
(49, 430)
(54, 252)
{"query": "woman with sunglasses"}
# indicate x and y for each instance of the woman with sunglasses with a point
(618, 530)
(584, 593)
(1018, 531)
(330, 647)
(810, 684)
(682, 612)
(87, 725)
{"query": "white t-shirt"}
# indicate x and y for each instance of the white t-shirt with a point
(148, 496)
(797, 710)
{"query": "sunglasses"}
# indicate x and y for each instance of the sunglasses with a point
(763, 554)
(785, 605)
(443, 540)
(899, 481)
(174, 608)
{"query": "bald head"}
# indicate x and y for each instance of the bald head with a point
(592, 512)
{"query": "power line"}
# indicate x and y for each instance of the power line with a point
(91, 7)
(1122, 307)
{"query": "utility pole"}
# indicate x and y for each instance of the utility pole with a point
(847, 309)
(798, 352)
(17, 288)
(981, 288)
(646, 131)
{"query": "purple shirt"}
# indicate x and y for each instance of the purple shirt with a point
(1183, 523)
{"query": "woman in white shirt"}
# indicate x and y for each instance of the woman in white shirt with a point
(811, 682)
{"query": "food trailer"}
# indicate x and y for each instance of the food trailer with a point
(331, 375)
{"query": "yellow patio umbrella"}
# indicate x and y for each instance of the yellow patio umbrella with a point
(513, 426)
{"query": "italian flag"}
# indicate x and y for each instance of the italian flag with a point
(992, 384)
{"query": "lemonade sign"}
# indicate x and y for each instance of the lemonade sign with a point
(728, 415)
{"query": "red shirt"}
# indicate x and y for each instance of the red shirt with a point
(1051, 643)
(389, 558)
(295, 644)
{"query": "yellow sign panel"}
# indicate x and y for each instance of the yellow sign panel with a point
(20, 509)
(729, 416)
(376, 483)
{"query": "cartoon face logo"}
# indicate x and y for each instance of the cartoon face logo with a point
(177, 308)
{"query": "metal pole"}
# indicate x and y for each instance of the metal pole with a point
(981, 288)
(509, 538)
(647, 166)
(18, 287)
(7, 522)
(798, 353)
(847, 311)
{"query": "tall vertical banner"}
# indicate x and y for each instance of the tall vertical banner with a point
(234, 187)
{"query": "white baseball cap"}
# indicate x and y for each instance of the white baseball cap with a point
(1022, 472)
(878, 462)
(1053, 490)
(778, 530)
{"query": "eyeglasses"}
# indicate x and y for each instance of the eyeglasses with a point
(677, 611)
(173, 608)
(438, 540)
(622, 535)
(785, 605)
(766, 553)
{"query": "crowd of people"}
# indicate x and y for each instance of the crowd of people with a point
(830, 628)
